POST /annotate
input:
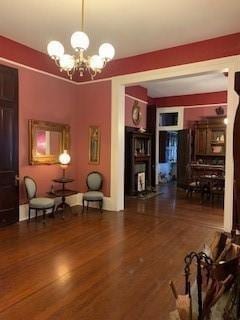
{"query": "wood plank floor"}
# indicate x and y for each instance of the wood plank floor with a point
(110, 267)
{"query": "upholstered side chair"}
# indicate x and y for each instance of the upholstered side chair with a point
(94, 183)
(37, 203)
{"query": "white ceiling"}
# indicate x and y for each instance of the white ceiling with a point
(213, 82)
(132, 26)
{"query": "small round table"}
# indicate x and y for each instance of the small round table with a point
(63, 193)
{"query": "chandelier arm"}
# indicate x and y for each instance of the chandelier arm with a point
(82, 25)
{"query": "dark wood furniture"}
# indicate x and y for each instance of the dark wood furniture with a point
(236, 156)
(9, 186)
(63, 193)
(137, 159)
(210, 137)
(213, 186)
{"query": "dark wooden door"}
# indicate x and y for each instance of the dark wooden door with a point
(236, 156)
(9, 191)
(151, 128)
(183, 156)
(162, 146)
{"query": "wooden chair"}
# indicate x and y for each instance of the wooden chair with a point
(193, 181)
(217, 190)
(36, 203)
(94, 183)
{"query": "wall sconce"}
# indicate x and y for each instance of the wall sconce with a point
(64, 160)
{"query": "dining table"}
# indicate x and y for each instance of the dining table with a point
(208, 182)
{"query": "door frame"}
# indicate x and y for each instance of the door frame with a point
(230, 64)
(179, 126)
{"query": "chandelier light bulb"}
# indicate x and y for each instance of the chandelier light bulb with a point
(55, 49)
(79, 40)
(96, 62)
(64, 158)
(225, 121)
(79, 61)
(106, 51)
(67, 62)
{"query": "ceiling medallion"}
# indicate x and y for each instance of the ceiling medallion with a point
(78, 62)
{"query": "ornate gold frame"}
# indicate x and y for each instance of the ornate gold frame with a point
(94, 145)
(33, 125)
(136, 113)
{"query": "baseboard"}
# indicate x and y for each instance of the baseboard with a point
(74, 200)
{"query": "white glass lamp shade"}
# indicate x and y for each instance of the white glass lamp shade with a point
(67, 62)
(106, 51)
(96, 62)
(79, 40)
(64, 158)
(55, 49)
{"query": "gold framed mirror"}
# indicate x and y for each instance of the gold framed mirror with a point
(47, 140)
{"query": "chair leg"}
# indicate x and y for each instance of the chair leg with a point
(29, 214)
(36, 213)
(44, 216)
(52, 214)
(82, 205)
(100, 205)
(87, 205)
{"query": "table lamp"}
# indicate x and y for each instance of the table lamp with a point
(64, 160)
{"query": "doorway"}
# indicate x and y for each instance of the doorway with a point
(117, 135)
(9, 189)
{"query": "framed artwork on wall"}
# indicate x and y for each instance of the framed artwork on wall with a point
(94, 145)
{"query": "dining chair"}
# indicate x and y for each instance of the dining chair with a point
(218, 190)
(94, 183)
(37, 203)
(193, 185)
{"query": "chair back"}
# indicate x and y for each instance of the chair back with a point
(31, 187)
(94, 181)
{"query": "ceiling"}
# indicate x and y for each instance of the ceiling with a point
(213, 82)
(132, 26)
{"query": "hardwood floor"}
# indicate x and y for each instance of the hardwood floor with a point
(110, 267)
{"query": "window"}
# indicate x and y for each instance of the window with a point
(168, 119)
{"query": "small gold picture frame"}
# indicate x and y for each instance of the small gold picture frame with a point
(94, 145)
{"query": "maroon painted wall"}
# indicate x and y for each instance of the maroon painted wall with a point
(191, 100)
(94, 108)
(224, 46)
(131, 94)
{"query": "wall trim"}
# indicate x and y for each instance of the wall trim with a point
(36, 70)
(197, 106)
(74, 200)
(137, 99)
(118, 114)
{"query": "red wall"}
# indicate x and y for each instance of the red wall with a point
(224, 46)
(137, 92)
(94, 108)
(191, 100)
(194, 52)
(195, 114)
(42, 97)
(48, 98)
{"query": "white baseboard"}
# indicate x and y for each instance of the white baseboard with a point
(74, 200)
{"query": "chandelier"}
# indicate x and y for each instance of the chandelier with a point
(78, 62)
